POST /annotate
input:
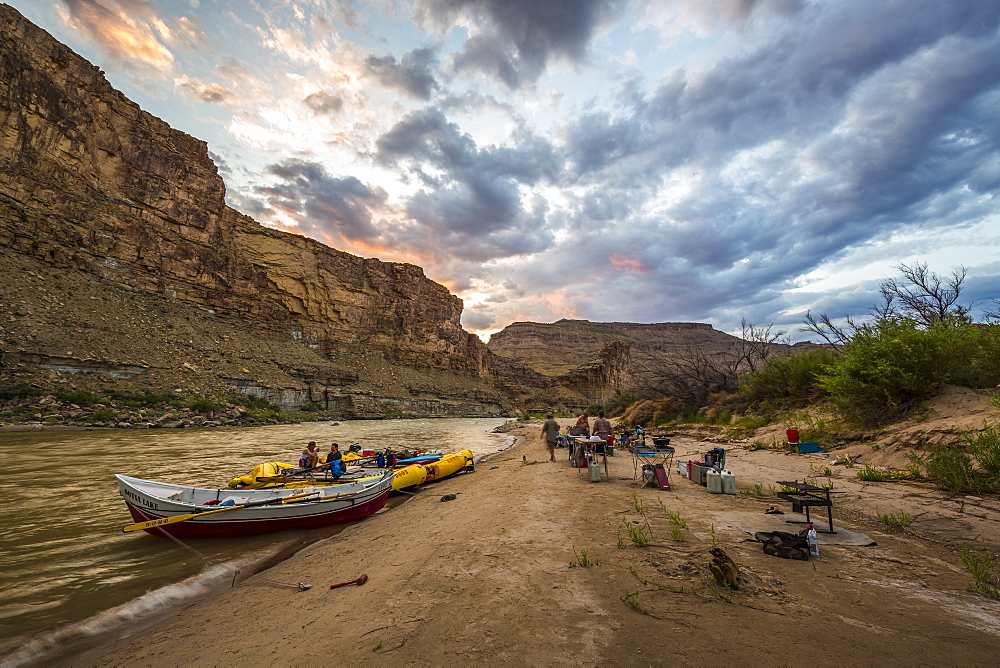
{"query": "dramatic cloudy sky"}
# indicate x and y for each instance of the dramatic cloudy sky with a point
(613, 160)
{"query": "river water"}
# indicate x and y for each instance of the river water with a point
(68, 570)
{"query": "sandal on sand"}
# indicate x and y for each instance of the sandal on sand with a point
(773, 511)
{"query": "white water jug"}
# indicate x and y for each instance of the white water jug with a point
(728, 482)
(713, 480)
(595, 470)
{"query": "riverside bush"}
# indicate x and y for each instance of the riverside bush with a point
(892, 364)
(788, 381)
(951, 468)
(985, 448)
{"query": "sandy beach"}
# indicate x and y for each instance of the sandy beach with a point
(495, 576)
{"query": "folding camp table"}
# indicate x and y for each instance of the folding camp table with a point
(655, 458)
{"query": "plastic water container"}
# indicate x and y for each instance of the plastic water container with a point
(682, 467)
(713, 480)
(728, 482)
(595, 470)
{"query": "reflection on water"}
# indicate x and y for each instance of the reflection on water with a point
(65, 557)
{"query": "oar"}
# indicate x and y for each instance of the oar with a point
(180, 518)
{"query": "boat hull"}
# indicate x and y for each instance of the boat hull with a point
(147, 500)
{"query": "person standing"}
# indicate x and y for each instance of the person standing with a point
(602, 427)
(550, 432)
(583, 424)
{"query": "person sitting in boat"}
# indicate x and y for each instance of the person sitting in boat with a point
(583, 424)
(336, 461)
(309, 459)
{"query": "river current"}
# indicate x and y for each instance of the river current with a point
(68, 570)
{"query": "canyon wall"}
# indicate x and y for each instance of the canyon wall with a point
(91, 185)
(559, 348)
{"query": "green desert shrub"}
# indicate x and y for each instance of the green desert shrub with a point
(980, 567)
(892, 364)
(251, 401)
(984, 363)
(622, 400)
(788, 381)
(984, 446)
(951, 468)
(147, 398)
(79, 397)
(203, 405)
(18, 391)
(872, 473)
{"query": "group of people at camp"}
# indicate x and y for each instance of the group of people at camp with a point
(552, 433)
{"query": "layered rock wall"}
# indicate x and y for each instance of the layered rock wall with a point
(91, 183)
(561, 347)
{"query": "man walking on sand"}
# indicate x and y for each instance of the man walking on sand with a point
(550, 432)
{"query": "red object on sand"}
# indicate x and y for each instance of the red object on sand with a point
(360, 581)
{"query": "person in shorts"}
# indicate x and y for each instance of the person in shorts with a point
(550, 432)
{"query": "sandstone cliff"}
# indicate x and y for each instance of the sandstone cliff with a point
(563, 346)
(123, 255)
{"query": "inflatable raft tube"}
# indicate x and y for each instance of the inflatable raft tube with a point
(448, 465)
(409, 476)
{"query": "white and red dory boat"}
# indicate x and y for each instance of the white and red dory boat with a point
(223, 513)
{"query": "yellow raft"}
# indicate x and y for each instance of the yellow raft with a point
(418, 474)
(406, 476)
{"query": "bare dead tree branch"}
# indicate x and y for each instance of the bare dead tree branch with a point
(923, 295)
(834, 335)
